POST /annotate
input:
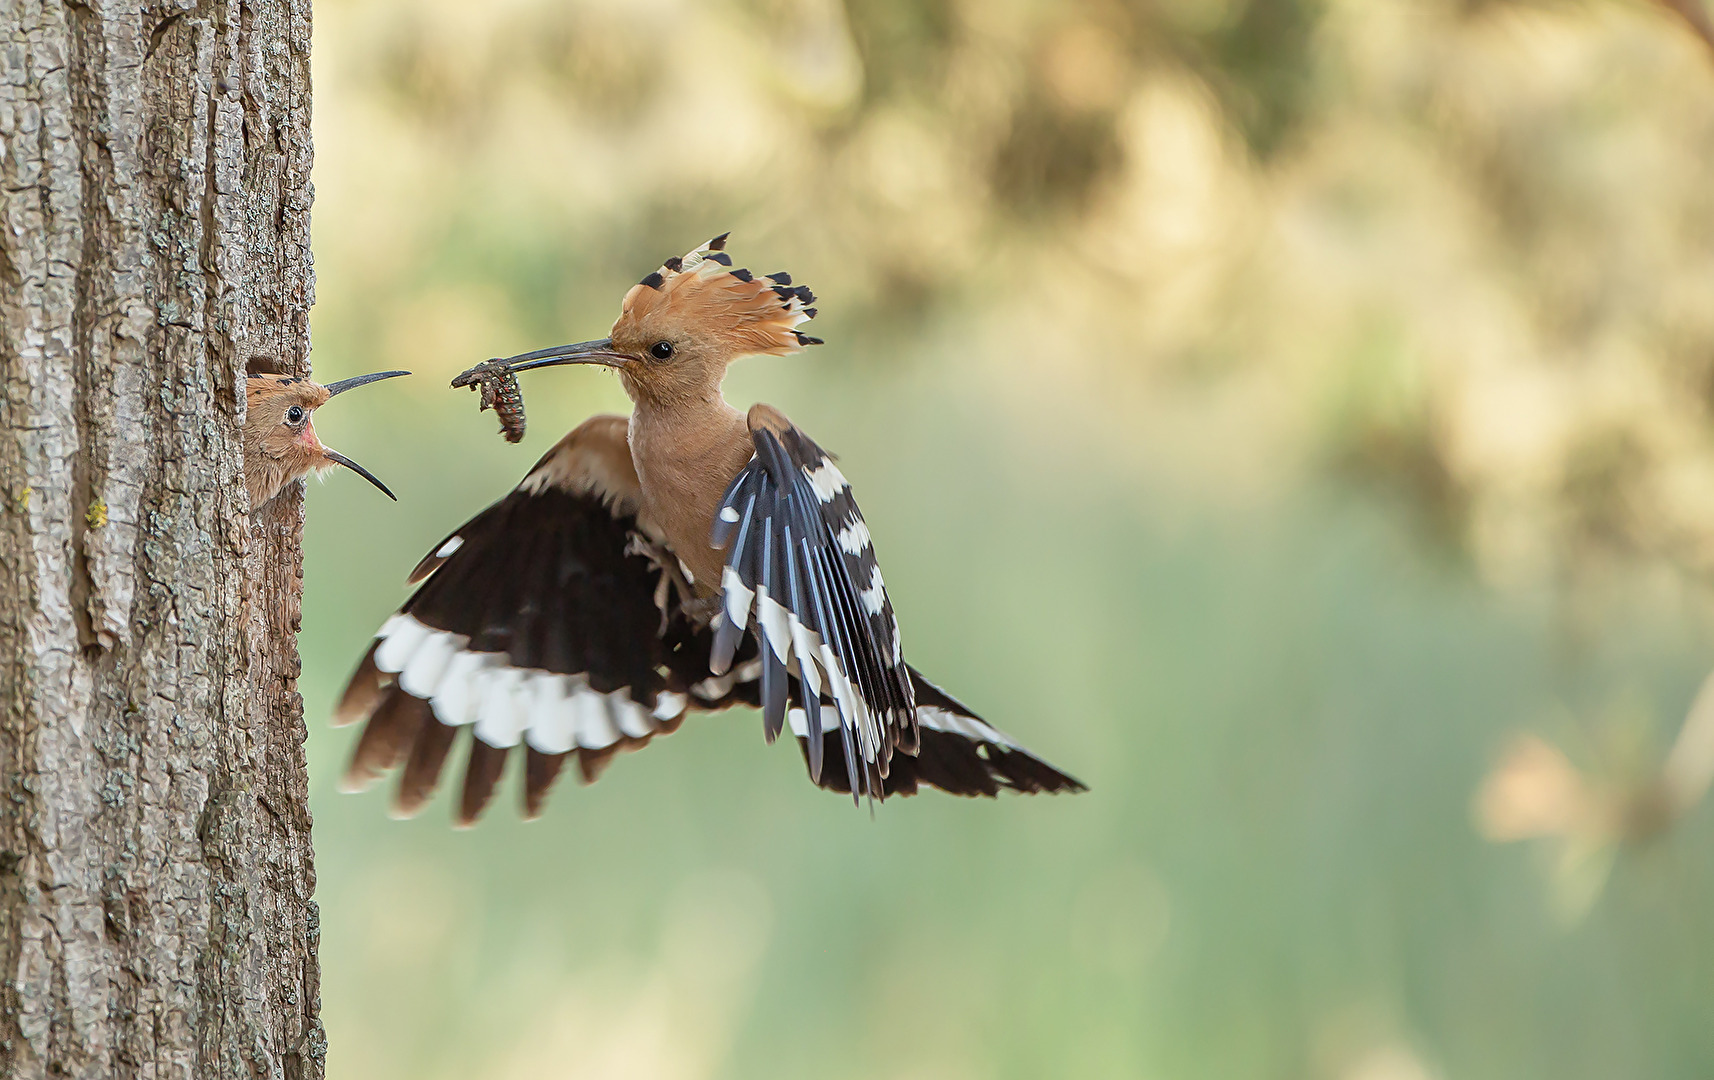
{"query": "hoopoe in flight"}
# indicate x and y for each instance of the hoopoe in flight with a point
(689, 557)
(280, 444)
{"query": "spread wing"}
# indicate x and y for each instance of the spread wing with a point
(958, 752)
(800, 567)
(542, 622)
(549, 623)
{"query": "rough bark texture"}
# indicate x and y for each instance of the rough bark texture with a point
(155, 865)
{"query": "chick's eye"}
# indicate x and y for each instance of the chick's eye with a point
(661, 350)
(295, 415)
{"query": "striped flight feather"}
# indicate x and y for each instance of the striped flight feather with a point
(796, 547)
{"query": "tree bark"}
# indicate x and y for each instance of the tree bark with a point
(155, 865)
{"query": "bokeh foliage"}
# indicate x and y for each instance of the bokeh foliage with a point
(1263, 408)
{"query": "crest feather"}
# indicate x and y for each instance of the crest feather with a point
(704, 290)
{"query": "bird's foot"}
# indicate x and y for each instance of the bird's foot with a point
(675, 591)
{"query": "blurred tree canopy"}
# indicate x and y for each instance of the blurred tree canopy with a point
(1458, 248)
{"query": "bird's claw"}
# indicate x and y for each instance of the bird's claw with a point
(674, 579)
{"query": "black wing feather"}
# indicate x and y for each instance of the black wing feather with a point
(794, 536)
(543, 582)
(960, 754)
(774, 685)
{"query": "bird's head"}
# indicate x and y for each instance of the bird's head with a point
(280, 443)
(683, 324)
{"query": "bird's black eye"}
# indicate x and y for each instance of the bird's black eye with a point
(660, 350)
(295, 415)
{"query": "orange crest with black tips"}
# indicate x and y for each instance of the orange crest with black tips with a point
(701, 294)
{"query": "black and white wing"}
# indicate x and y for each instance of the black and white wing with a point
(537, 624)
(550, 623)
(957, 752)
(800, 569)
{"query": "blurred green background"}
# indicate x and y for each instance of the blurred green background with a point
(1271, 411)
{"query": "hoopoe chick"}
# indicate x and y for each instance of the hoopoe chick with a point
(280, 444)
(688, 557)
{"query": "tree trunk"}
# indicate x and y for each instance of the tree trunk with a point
(155, 862)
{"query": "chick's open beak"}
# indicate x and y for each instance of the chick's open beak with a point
(340, 459)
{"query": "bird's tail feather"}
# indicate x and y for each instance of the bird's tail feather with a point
(958, 753)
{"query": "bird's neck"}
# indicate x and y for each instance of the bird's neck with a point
(686, 453)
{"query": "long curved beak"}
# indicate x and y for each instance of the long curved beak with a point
(340, 459)
(599, 351)
(355, 381)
